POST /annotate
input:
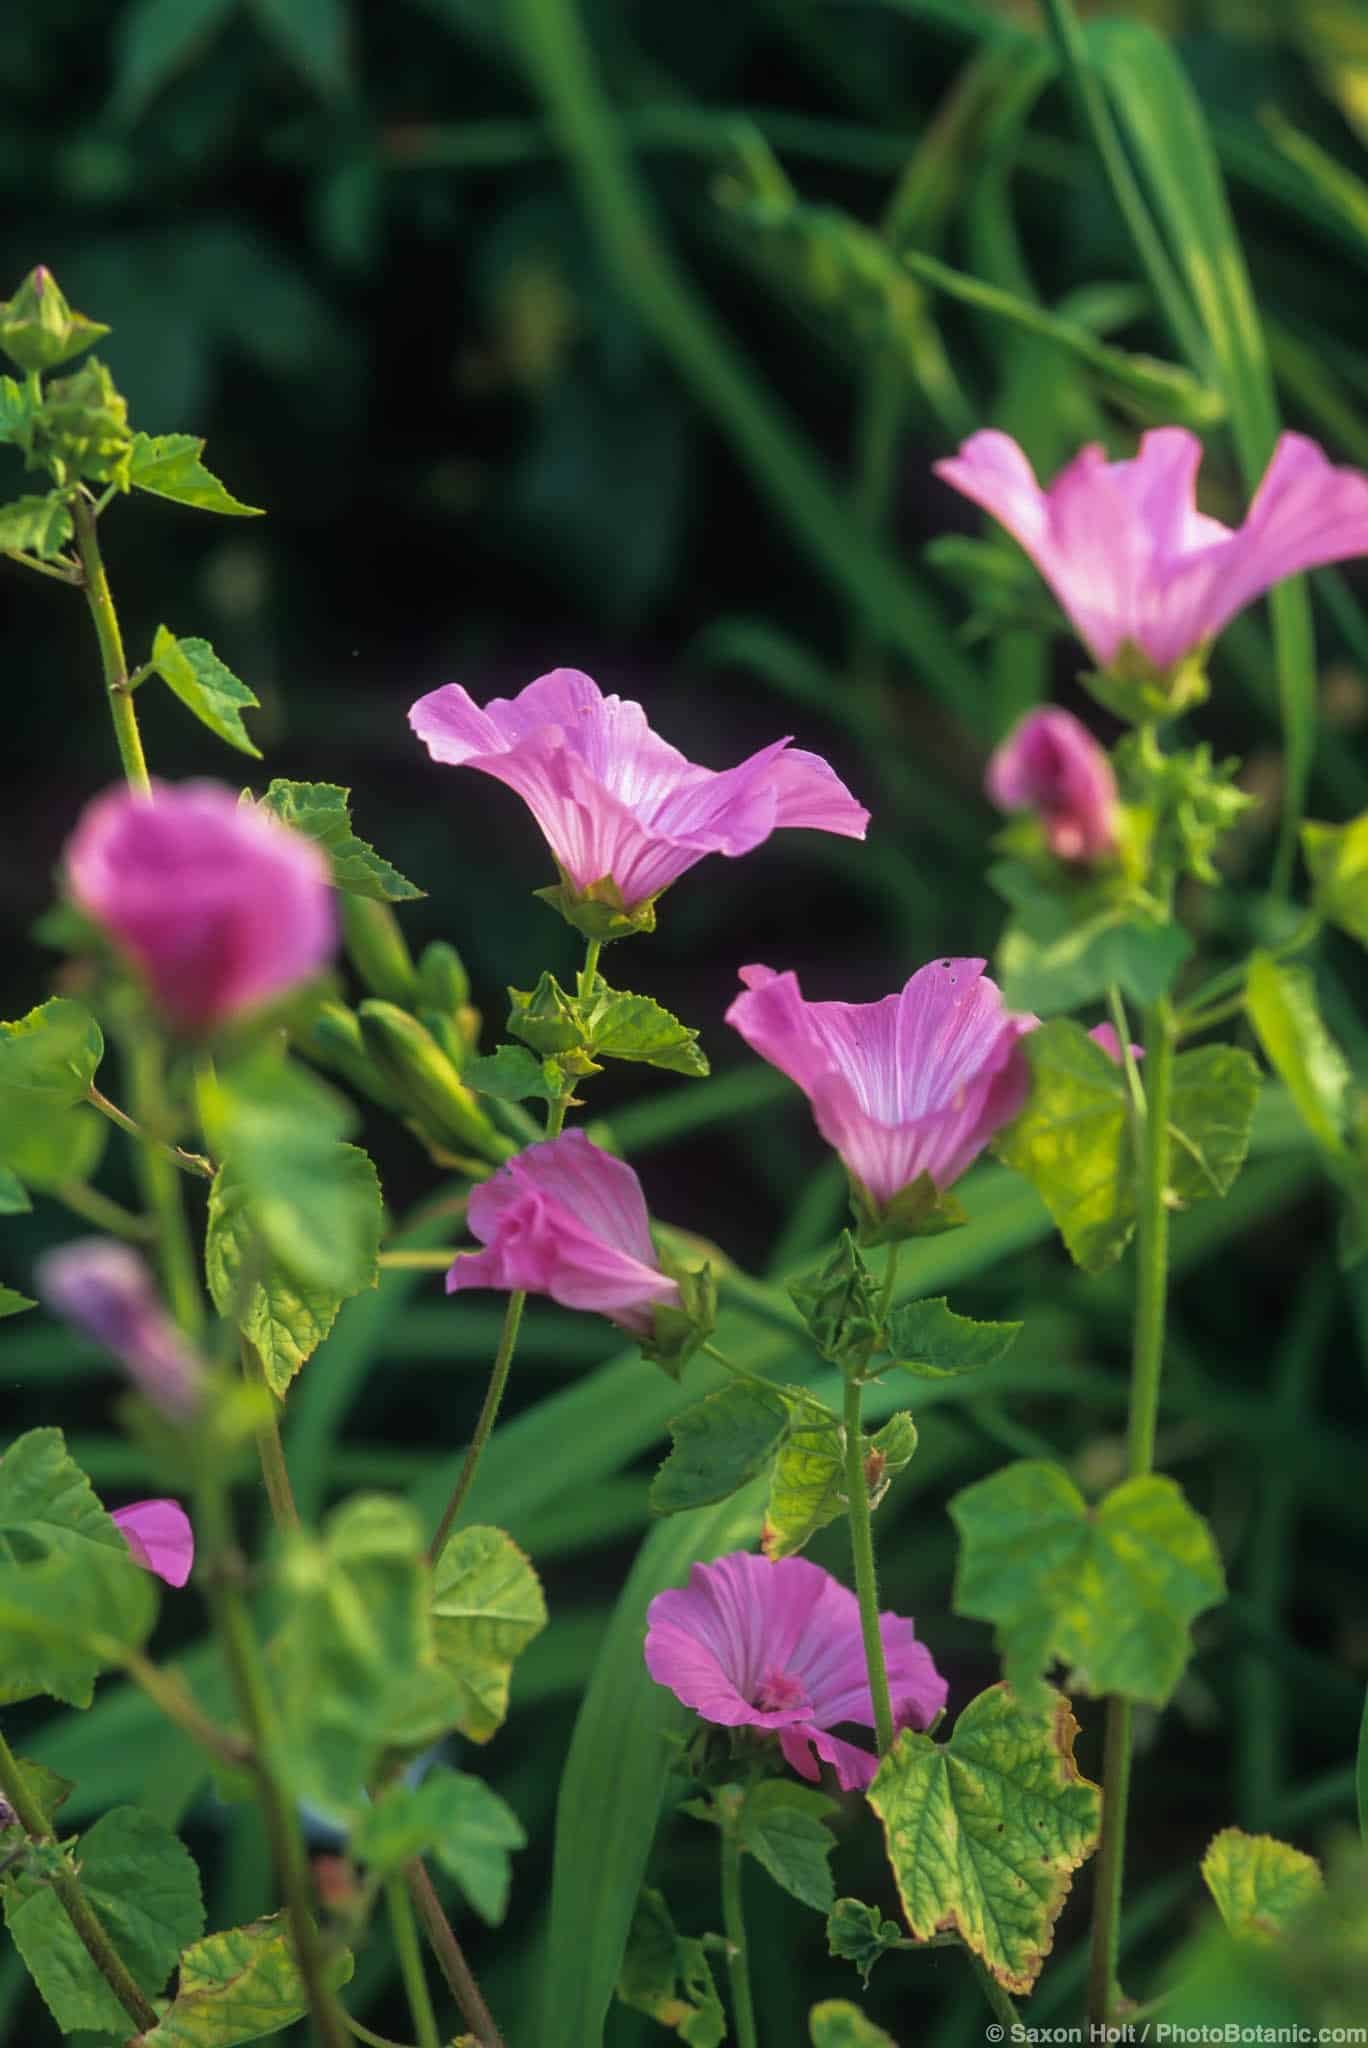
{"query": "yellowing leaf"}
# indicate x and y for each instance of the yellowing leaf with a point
(487, 1605)
(1258, 1883)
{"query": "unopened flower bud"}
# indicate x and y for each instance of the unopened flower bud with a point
(443, 983)
(378, 950)
(106, 1290)
(426, 1082)
(1051, 764)
(333, 1039)
(38, 327)
(547, 1018)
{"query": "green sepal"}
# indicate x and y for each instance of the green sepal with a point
(929, 1339)
(1135, 689)
(36, 526)
(38, 329)
(240, 1985)
(918, 1210)
(205, 686)
(546, 1018)
(676, 1333)
(1192, 799)
(859, 1934)
(322, 811)
(1259, 1884)
(513, 1074)
(668, 1976)
(599, 911)
(82, 428)
(487, 1605)
(169, 466)
(839, 1303)
(1337, 856)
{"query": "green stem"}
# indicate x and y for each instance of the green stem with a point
(734, 1926)
(105, 1214)
(162, 1188)
(275, 1473)
(411, 1969)
(435, 1261)
(1231, 980)
(69, 574)
(106, 622)
(169, 1692)
(890, 1281)
(866, 1578)
(188, 1162)
(999, 2004)
(1151, 1296)
(593, 947)
(451, 1959)
(88, 1927)
(222, 1575)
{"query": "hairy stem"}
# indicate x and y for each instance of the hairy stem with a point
(410, 1955)
(451, 1959)
(866, 1578)
(85, 1921)
(734, 1926)
(1151, 1298)
(115, 665)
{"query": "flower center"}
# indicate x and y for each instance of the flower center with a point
(778, 1691)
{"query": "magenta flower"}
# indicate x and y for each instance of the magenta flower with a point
(565, 1218)
(617, 802)
(1108, 1038)
(1050, 763)
(218, 905)
(750, 1644)
(106, 1289)
(915, 1084)
(159, 1535)
(1131, 559)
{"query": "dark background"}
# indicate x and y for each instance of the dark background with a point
(339, 243)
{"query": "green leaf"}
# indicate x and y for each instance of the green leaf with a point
(985, 1831)
(194, 672)
(1259, 1884)
(154, 39)
(668, 1976)
(929, 1339)
(238, 1986)
(626, 1027)
(279, 1130)
(313, 34)
(859, 1934)
(718, 1445)
(16, 414)
(355, 1662)
(47, 1146)
(1337, 856)
(1282, 1007)
(13, 1304)
(1048, 963)
(1110, 1590)
(840, 1305)
(513, 1074)
(169, 466)
(782, 1825)
(48, 1787)
(14, 1199)
(458, 1819)
(487, 1605)
(51, 1055)
(1211, 1113)
(71, 1596)
(807, 1486)
(836, 2023)
(38, 526)
(322, 811)
(145, 1889)
(285, 1319)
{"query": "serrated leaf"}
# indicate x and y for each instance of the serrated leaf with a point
(1337, 856)
(985, 1831)
(145, 1889)
(322, 811)
(859, 1934)
(51, 1791)
(37, 526)
(807, 1485)
(14, 1199)
(668, 1976)
(513, 1074)
(836, 2023)
(205, 686)
(487, 1605)
(240, 1985)
(1110, 1590)
(718, 1445)
(626, 1027)
(1282, 1007)
(354, 1663)
(66, 1577)
(285, 1319)
(456, 1818)
(1211, 1113)
(1259, 1884)
(929, 1339)
(47, 1146)
(782, 1825)
(313, 35)
(169, 466)
(52, 1053)
(12, 1303)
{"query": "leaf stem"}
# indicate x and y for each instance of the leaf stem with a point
(162, 1187)
(1151, 1300)
(405, 1931)
(88, 1926)
(734, 1925)
(88, 1202)
(451, 1958)
(434, 1261)
(275, 1473)
(188, 1162)
(866, 1579)
(113, 660)
(68, 574)
(1231, 980)
(999, 2004)
(168, 1691)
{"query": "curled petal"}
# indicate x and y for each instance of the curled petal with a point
(159, 1534)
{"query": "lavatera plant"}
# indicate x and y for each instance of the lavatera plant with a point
(208, 923)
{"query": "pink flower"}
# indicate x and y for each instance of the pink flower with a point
(218, 905)
(1107, 1037)
(777, 1646)
(915, 1084)
(1051, 763)
(566, 1219)
(159, 1535)
(1131, 559)
(616, 801)
(106, 1289)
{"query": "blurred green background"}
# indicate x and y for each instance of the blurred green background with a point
(508, 315)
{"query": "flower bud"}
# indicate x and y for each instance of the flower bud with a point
(378, 949)
(1051, 764)
(443, 983)
(82, 428)
(426, 1082)
(106, 1289)
(547, 1019)
(333, 1039)
(38, 327)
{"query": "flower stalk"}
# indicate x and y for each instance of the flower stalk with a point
(112, 657)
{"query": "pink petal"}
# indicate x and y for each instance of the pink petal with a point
(1051, 763)
(1107, 1036)
(1305, 514)
(159, 1534)
(854, 1766)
